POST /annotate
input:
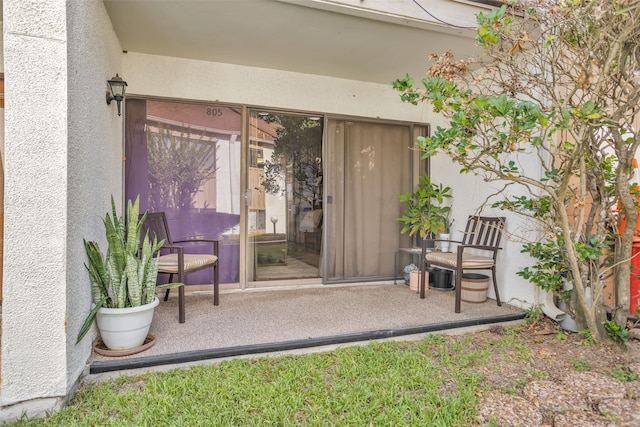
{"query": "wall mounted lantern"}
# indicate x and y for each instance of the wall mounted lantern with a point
(116, 90)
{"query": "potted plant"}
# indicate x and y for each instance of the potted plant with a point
(123, 282)
(407, 271)
(425, 213)
(445, 233)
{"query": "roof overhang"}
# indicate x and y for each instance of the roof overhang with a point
(332, 38)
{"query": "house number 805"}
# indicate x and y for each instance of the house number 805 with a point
(214, 111)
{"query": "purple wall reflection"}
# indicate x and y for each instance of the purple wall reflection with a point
(169, 170)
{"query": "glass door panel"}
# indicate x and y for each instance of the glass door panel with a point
(184, 159)
(285, 207)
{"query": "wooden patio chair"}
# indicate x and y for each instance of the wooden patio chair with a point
(477, 250)
(175, 258)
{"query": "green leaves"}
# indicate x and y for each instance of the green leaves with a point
(500, 105)
(424, 212)
(551, 268)
(514, 122)
(510, 168)
(588, 112)
(89, 320)
(538, 207)
(97, 272)
(492, 25)
(591, 250)
(405, 85)
(615, 331)
(126, 276)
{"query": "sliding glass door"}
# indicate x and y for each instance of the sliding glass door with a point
(285, 206)
(290, 201)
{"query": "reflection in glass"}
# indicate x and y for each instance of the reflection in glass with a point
(285, 213)
(181, 164)
(184, 159)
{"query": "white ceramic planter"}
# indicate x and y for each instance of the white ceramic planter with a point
(124, 328)
(568, 323)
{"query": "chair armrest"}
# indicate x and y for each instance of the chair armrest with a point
(172, 248)
(425, 241)
(437, 248)
(215, 244)
(440, 240)
(482, 247)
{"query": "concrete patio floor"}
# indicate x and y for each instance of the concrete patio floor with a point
(272, 320)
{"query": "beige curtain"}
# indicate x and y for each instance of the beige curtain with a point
(369, 166)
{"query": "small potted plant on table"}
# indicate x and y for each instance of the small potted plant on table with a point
(425, 213)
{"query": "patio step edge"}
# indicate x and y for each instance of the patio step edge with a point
(104, 366)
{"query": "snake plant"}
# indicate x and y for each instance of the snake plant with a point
(126, 276)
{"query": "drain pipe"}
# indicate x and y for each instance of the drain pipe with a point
(548, 305)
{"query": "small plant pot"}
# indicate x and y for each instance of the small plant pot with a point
(406, 277)
(474, 288)
(125, 328)
(442, 279)
(414, 280)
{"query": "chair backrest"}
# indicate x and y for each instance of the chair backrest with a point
(484, 230)
(156, 224)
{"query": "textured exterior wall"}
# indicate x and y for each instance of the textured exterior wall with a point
(34, 340)
(1, 50)
(469, 193)
(209, 81)
(95, 149)
(63, 156)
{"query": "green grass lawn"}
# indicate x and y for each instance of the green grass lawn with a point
(436, 381)
(430, 382)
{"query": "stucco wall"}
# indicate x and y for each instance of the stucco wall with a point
(94, 169)
(470, 192)
(199, 80)
(1, 50)
(63, 157)
(33, 341)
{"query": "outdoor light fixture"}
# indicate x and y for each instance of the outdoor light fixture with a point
(116, 90)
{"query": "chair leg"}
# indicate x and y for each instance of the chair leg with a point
(458, 274)
(166, 293)
(216, 285)
(181, 308)
(422, 285)
(495, 286)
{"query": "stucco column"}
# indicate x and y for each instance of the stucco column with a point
(34, 343)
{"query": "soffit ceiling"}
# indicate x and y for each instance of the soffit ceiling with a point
(286, 35)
